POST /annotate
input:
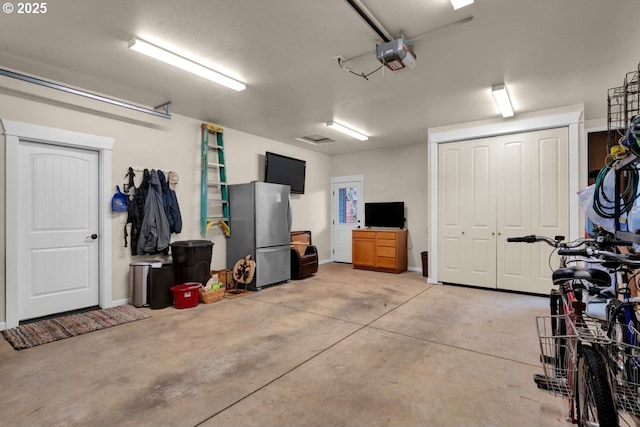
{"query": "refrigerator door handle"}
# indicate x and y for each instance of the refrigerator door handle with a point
(289, 214)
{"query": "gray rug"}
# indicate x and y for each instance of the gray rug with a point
(46, 331)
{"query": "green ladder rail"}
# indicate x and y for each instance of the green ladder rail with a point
(217, 185)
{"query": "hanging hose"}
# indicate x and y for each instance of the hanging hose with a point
(604, 204)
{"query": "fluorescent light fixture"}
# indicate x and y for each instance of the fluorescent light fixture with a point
(170, 58)
(503, 102)
(457, 4)
(347, 131)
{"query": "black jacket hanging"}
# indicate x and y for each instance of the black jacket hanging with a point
(154, 233)
(170, 202)
(135, 216)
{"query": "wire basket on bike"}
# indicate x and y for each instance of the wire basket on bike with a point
(557, 354)
(624, 367)
(589, 330)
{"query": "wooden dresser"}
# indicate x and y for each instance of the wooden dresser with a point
(380, 250)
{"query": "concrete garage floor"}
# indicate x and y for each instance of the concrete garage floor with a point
(343, 348)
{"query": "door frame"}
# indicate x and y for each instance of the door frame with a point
(339, 180)
(15, 132)
(570, 119)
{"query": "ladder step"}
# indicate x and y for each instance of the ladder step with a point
(216, 183)
(217, 201)
(218, 217)
(214, 128)
(215, 165)
(216, 147)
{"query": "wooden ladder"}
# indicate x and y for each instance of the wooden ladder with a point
(214, 194)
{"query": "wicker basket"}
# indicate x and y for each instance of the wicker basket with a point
(211, 296)
(224, 276)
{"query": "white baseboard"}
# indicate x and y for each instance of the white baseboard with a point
(418, 269)
(118, 302)
(324, 261)
(3, 326)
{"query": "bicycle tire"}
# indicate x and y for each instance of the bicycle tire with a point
(559, 326)
(617, 329)
(623, 357)
(594, 398)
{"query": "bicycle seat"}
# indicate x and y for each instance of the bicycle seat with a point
(597, 277)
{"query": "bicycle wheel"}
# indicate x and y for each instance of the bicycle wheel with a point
(624, 357)
(559, 326)
(595, 402)
(618, 321)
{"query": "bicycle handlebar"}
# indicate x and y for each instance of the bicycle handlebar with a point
(532, 238)
(573, 252)
(557, 242)
(624, 259)
(524, 239)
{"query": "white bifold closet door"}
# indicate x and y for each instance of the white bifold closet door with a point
(490, 189)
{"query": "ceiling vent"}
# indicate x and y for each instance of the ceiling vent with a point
(315, 139)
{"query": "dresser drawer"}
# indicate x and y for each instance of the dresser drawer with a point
(384, 242)
(389, 235)
(386, 252)
(362, 234)
(384, 262)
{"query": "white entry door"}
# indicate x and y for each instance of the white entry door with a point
(347, 214)
(58, 226)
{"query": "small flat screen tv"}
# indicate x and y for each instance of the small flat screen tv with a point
(279, 169)
(384, 214)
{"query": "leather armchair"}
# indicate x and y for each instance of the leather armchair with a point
(304, 256)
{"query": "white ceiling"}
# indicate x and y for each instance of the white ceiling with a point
(550, 53)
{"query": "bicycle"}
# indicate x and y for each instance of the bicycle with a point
(573, 344)
(622, 328)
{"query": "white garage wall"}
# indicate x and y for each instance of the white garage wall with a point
(395, 175)
(143, 140)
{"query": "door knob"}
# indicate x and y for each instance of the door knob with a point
(94, 236)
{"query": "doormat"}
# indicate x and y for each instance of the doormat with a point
(46, 331)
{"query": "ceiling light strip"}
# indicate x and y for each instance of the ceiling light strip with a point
(457, 4)
(185, 64)
(503, 102)
(90, 95)
(348, 131)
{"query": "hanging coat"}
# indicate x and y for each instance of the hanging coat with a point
(137, 199)
(154, 234)
(170, 202)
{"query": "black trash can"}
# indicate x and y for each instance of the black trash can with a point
(162, 278)
(425, 263)
(192, 260)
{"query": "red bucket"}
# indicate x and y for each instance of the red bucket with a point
(186, 295)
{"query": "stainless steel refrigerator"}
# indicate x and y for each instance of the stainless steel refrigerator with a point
(260, 221)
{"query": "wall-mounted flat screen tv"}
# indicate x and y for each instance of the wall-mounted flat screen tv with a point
(279, 169)
(384, 214)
